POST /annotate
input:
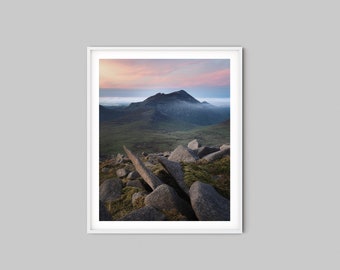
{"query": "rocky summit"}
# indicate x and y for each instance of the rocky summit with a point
(185, 184)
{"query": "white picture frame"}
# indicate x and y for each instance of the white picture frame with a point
(235, 225)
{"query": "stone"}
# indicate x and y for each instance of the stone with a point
(151, 179)
(183, 154)
(119, 156)
(110, 190)
(133, 175)
(152, 159)
(208, 204)
(167, 154)
(146, 213)
(175, 170)
(193, 145)
(216, 155)
(225, 146)
(104, 215)
(121, 173)
(149, 165)
(105, 170)
(165, 198)
(135, 183)
(137, 196)
(125, 160)
(206, 150)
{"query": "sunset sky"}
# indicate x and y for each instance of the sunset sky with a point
(139, 78)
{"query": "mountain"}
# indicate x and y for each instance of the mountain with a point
(160, 122)
(176, 106)
(173, 99)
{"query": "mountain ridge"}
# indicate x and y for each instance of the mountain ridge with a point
(173, 98)
(175, 106)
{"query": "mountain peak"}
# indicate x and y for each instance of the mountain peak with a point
(182, 92)
(171, 98)
(182, 95)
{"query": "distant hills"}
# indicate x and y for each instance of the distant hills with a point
(176, 106)
(162, 122)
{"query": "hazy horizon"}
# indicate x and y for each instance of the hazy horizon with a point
(121, 97)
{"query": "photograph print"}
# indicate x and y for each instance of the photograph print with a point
(164, 140)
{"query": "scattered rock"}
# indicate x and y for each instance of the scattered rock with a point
(105, 170)
(137, 196)
(104, 215)
(135, 183)
(133, 175)
(175, 170)
(121, 173)
(152, 159)
(125, 160)
(146, 213)
(149, 165)
(217, 155)
(165, 198)
(206, 150)
(183, 154)
(119, 158)
(193, 145)
(225, 146)
(208, 204)
(166, 154)
(144, 154)
(110, 190)
(151, 179)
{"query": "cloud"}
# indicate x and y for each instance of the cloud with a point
(163, 73)
(118, 101)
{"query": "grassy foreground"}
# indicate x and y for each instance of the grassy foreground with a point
(216, 173)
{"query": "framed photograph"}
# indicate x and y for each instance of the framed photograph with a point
(164, 148)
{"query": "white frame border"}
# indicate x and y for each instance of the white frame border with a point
(235, 226)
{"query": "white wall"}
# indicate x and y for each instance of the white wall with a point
(291, 127)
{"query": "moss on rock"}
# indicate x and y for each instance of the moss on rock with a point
(215, 173)
(123, 205)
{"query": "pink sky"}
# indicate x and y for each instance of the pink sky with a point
(163, 73)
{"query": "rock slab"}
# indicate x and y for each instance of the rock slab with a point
(183, 154)
(208, 204)
(146, 213)
(151, 179)
(225, 146)
(110, 190)
(135, 183)
(175, 170)
(206, 150)
(193, 145)
(165, 198)
(217, 155)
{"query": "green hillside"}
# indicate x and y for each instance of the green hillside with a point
(157, 136)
